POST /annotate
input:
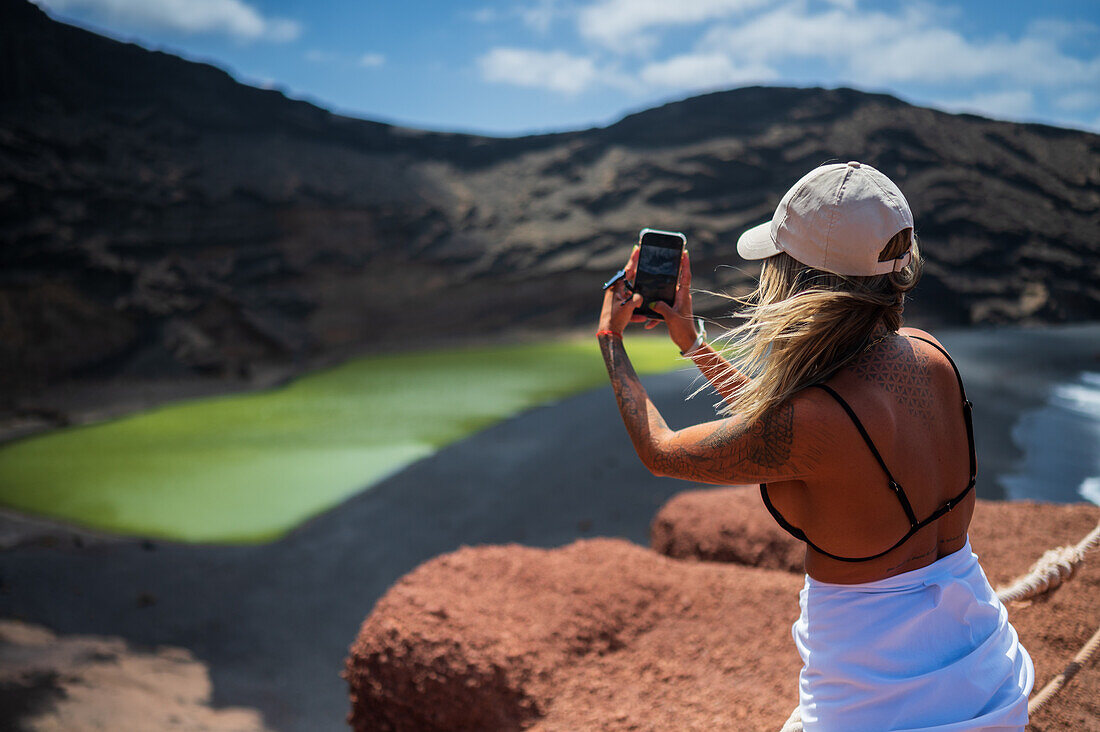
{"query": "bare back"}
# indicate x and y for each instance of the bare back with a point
(907, 397)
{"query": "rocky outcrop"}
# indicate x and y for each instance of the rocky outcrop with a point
(600, 634)
(731, 525)
(82, 683)
(603, 634)
(724, 525)
(159, 219)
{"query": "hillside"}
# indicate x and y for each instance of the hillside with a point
(159, 219)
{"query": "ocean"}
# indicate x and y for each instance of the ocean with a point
(1060, 443)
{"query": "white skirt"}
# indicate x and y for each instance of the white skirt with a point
(930, 649)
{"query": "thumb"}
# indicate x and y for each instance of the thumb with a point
(663, 308)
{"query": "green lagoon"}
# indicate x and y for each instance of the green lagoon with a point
(247, 468)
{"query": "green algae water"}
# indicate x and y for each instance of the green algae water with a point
(247, 468)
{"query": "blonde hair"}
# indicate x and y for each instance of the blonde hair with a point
(803, 324)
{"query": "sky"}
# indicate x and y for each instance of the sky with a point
(511, 68)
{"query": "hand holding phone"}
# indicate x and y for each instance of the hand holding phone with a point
(659, 258)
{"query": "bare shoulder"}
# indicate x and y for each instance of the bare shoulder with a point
(917, 332)
(937, 356)
(813, 406)
(819, 420)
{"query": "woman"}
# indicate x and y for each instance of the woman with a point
(859, 434)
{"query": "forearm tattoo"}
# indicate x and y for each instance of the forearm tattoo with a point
(731, 452)
(639, 415)
(902, 371)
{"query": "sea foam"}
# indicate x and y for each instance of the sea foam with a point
(1060, 443)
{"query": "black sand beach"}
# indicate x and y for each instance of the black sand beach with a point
(273, 622)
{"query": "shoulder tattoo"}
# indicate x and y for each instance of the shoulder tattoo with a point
(902, 371)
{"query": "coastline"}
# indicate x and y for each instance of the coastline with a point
(96, 400)
(272, 622)
(1010, 373)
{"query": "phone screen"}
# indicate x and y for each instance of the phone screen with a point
(658, 268)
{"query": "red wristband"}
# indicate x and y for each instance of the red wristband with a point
(611, 333)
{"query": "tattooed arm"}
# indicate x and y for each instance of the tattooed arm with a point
(785, 444)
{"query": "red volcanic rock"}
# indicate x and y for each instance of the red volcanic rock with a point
(603, 634)
(1009, 537)
(724, 525)
(732, 525)
(599, 634)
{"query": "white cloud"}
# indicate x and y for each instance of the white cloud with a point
(789, 32)
(1078, 101)
(876, 48)
(554, 70)
(315, 56)
(623, 24)
(913, 49)
(372, 60)
(540, 15)
(943, 56)
(703, 71)
(231, 17)
(1059, 29)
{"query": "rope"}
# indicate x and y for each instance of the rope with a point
(1055, 685)
(1053, 568)
(794, 722)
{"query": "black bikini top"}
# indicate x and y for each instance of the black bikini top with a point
(914, 524)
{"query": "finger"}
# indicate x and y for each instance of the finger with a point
(650, 324)
(685, 270)
(683, 284)
(663, 308)
(632, 263)
(626, 299)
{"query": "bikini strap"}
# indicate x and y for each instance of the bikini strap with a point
(938, 347)
(801, 535)
(914, 525)
(894, 486)
(968, 408)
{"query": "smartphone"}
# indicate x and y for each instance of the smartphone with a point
(659, 260)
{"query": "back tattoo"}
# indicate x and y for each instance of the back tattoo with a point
(902, 371)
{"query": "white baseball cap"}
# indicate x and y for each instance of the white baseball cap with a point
(838, 218)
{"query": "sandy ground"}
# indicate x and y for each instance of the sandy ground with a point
(273, 623)
(60, 684)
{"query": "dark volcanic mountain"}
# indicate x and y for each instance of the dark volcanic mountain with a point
(159, 218)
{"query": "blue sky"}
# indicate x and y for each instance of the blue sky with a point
(514, 67)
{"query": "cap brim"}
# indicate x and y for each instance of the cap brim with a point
(756, 243)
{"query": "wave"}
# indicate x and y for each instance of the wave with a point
(1060, 443)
